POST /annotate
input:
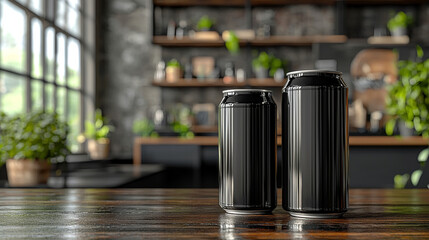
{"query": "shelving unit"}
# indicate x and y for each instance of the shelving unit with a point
(251, 82)
(270, 41)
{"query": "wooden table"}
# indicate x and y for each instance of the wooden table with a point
(194, 213)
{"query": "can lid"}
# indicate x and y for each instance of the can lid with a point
(311, 73)
(246, 90)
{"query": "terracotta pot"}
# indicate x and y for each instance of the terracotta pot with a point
(27, 172)
(173, 74)
(99, 149)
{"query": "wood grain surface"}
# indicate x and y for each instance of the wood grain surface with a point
(194, 213)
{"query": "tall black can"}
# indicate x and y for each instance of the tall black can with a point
(247, 151)
(315, 144)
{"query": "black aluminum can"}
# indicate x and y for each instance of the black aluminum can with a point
(315, 145)
(247, 151)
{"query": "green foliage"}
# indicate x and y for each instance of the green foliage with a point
(182, 129)
(408, 100)
(268, 61)
(205, 23)
(232, 43)
(401, 180)
(144, 128)
(97, 129)
(173, 63)
(401, 19)
(37, 135)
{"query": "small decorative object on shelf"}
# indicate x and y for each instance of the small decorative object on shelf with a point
(97, 135)
(229, 73)
(399, 23)
(144, 128)
(204, 26)
(159, 75)
(173, 72)
(171, 30)
(203, 66)
(28, 143)
(267, 65)
(204, 114)
(181, 30)
(240, 75)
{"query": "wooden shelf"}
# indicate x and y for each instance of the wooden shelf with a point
(197, 83)
(270, 41)
(251, 82)
(204, 129)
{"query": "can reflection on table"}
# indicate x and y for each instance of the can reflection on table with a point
(247, 151)
(315, 144)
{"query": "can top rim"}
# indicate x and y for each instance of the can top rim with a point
(246, 90)
(304, 72)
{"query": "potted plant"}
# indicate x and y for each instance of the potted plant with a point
(204, 24)
(96, 133)
(173, 71)
(398, 24)
(28, 142)
(266, 65)
(408, 101)
(144, 128)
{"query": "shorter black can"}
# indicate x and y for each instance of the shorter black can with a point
(247, 151)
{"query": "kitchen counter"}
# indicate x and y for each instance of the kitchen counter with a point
(194, 213)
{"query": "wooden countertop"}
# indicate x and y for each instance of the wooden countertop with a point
(353, 141)
(194, 213)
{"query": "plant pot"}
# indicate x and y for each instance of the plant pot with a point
(260, 72)
(404, 130)
(99, 149)
(27, 172)
(399, 31)
(172, 74)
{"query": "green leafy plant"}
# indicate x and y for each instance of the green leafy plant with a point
(173, 63)
(232, 43)
(182, 129)
(408, 100)
(144, 128)
(205, 23)
(400, 20)
(36, 135)
(98, 129)
(269, 62)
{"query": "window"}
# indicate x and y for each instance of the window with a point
(41, 49)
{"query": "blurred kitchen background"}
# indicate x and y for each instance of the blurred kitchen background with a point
(156, 71)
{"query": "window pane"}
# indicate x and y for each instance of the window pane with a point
(61, 101)
(12, 93)
(61, 59)
(13, 35)
(49, 91)
(50, 53)
(74, 120)
(36, 70)
(73, 21)
(74, 4)
(61, 13)
(36, 95)
(73, 61)
(36, 6)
